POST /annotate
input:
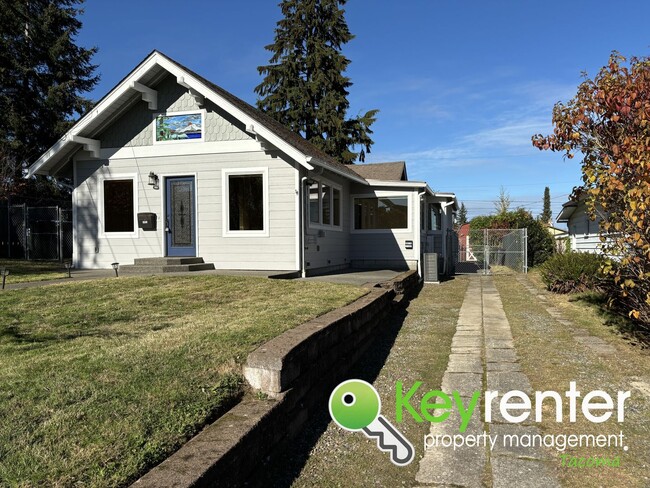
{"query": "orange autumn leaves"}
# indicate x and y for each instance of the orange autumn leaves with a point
(608, 124)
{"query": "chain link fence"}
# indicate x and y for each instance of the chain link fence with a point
(35, 232)
(487, 250)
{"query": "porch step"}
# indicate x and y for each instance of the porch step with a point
(166, 261)
(165, 265)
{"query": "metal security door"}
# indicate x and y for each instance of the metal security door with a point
(180, 221)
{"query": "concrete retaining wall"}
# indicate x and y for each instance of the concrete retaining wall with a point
(297, 370)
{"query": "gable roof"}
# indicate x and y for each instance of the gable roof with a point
(382, 171)
(150, 70)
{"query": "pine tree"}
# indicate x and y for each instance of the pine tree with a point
(461, 218)
(42, 78)
(546, 214)
(502, 204)
(304, 87)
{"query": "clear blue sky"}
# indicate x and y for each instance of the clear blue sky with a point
(461, 86)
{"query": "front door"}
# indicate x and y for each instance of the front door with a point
(180, 221)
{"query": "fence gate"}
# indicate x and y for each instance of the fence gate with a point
(487, 250)
(35, 232)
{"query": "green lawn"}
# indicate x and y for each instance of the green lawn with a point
(101, 380)
(21, 271)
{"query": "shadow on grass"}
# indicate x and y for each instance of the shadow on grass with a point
(285, 467)
(611, 318)
(13, 335)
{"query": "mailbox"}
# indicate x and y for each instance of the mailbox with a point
(147, 221)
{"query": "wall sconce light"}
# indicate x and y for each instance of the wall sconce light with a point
(115, 267)
(153, 180)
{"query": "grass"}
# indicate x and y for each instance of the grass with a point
(101, 380)
(420, 351)
(552, 358)
(21, 271)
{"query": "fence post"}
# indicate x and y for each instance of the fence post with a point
(59, 226)
(8, 227)
(526, 250)
(26, 233)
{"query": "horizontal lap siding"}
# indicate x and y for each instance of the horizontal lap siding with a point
(276, 252)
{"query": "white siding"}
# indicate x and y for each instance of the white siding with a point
(583, 232)
(275, 252)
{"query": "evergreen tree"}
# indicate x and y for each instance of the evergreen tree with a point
(461, 218)
(546, 214)
(304, 87)
(42, 78)
(502, 204)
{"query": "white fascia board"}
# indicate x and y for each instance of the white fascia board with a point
(401, 184)
(106, 102)
(248, 121)
(355, 178)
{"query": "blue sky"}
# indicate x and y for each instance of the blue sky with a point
(461, 86)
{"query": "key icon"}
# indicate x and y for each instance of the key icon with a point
(355, 405)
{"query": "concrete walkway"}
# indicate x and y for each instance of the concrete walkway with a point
(483, 357)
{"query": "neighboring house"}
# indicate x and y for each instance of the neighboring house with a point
(560, 236)
(169, 164)
(583, 233)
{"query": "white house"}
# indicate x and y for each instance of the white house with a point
(168, 165)
(583, 233)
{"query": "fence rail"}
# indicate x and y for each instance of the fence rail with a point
(483, 250)
(35, 232)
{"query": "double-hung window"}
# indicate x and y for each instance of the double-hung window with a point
(117, 207)
(324, 205)
(435, 216)
(245, 202)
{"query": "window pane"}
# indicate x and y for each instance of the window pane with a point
(118, 206)
(336, 206)
(381, 213)
(246, 199)
(327, 216)
(314, 204)
(434, 217)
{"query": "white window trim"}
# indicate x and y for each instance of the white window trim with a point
(319, 225)
(202, 112)
(382, 194)
(225, 201)
(100, 206)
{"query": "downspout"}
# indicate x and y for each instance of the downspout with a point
(303, 271)
(444, 236)
(419, 231)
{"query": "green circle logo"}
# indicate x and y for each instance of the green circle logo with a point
(354, 404)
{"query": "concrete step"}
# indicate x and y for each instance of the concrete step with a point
(166, 261)
(133, 269)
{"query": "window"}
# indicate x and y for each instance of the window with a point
(324, 204)
(336, 205)
(245, 202)
(327, 207)
(435, 217)
(178, 126)
(314, 203)
(381, 213)
(119, 208)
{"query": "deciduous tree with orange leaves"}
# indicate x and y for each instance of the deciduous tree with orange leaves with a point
(607, 123)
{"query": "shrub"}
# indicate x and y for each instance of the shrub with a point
(572, 272)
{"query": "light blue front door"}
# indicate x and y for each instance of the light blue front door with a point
(180, 221)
